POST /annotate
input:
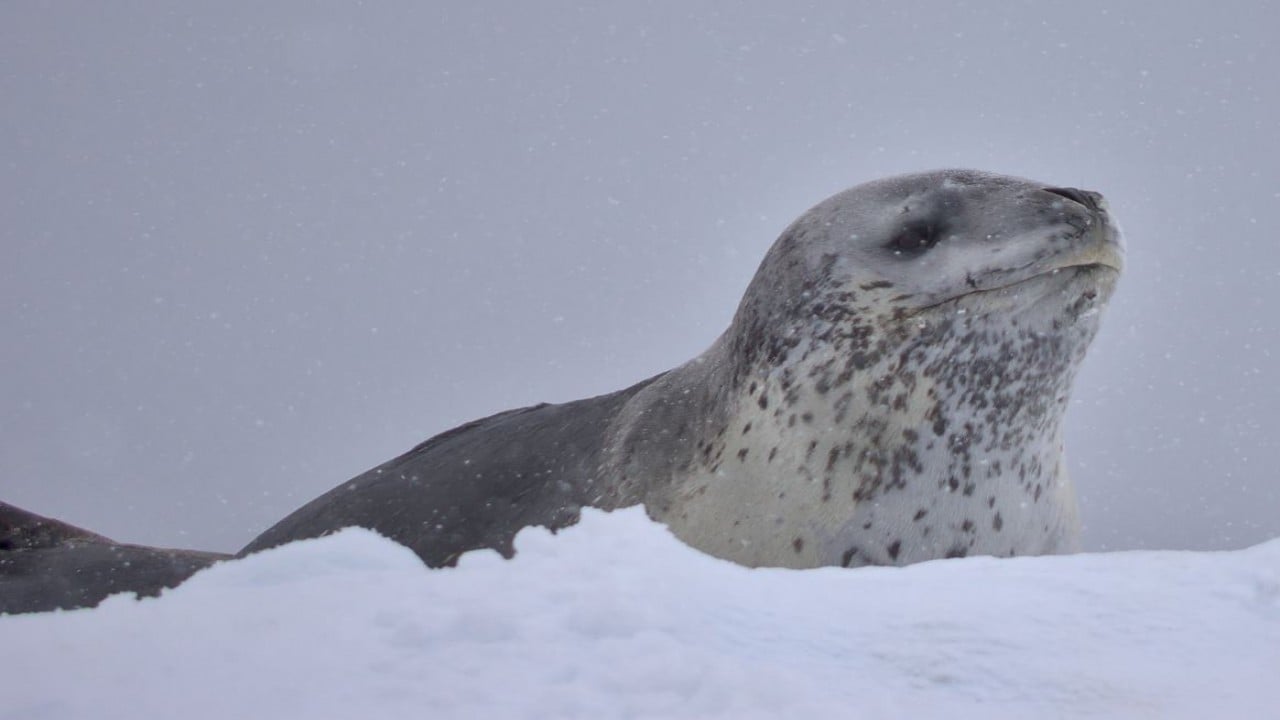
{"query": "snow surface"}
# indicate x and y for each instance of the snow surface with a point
(614, 618)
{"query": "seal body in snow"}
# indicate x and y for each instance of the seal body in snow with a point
(891, 390)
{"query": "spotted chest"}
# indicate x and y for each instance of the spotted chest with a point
(946, 445)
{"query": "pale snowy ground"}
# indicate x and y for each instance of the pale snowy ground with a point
(615, 619)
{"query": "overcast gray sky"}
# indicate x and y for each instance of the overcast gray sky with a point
(253, 249)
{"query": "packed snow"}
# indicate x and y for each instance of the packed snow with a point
(614, 618)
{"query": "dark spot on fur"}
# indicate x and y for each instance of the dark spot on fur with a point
(798, 544)
(939, 426)
(746, 428)
(742, 454)
(967, 526)
(919, 515)
(957, 552)
(894, 548)
(998, 522)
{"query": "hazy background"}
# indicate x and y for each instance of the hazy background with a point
(252, 249)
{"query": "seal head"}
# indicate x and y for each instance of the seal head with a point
(893, 385)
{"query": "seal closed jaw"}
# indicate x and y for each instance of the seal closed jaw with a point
(1086, 241)
(1093, 242)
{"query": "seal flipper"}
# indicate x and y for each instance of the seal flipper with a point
(46, 564)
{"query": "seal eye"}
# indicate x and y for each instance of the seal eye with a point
(914, 240)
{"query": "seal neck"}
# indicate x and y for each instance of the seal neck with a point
(858, 425)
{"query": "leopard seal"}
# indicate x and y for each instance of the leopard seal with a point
(891, 389)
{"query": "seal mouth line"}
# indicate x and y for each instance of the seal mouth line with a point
(1016, 283)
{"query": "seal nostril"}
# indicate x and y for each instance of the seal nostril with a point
(1075, 195)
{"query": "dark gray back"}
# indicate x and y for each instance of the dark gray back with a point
(475, 486)
(47, 564)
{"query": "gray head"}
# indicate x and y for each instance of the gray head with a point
(897, 255)
(893, 384)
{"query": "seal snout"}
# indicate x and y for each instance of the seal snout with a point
(1087, 198)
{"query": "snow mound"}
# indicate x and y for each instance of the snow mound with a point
(614, 618)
